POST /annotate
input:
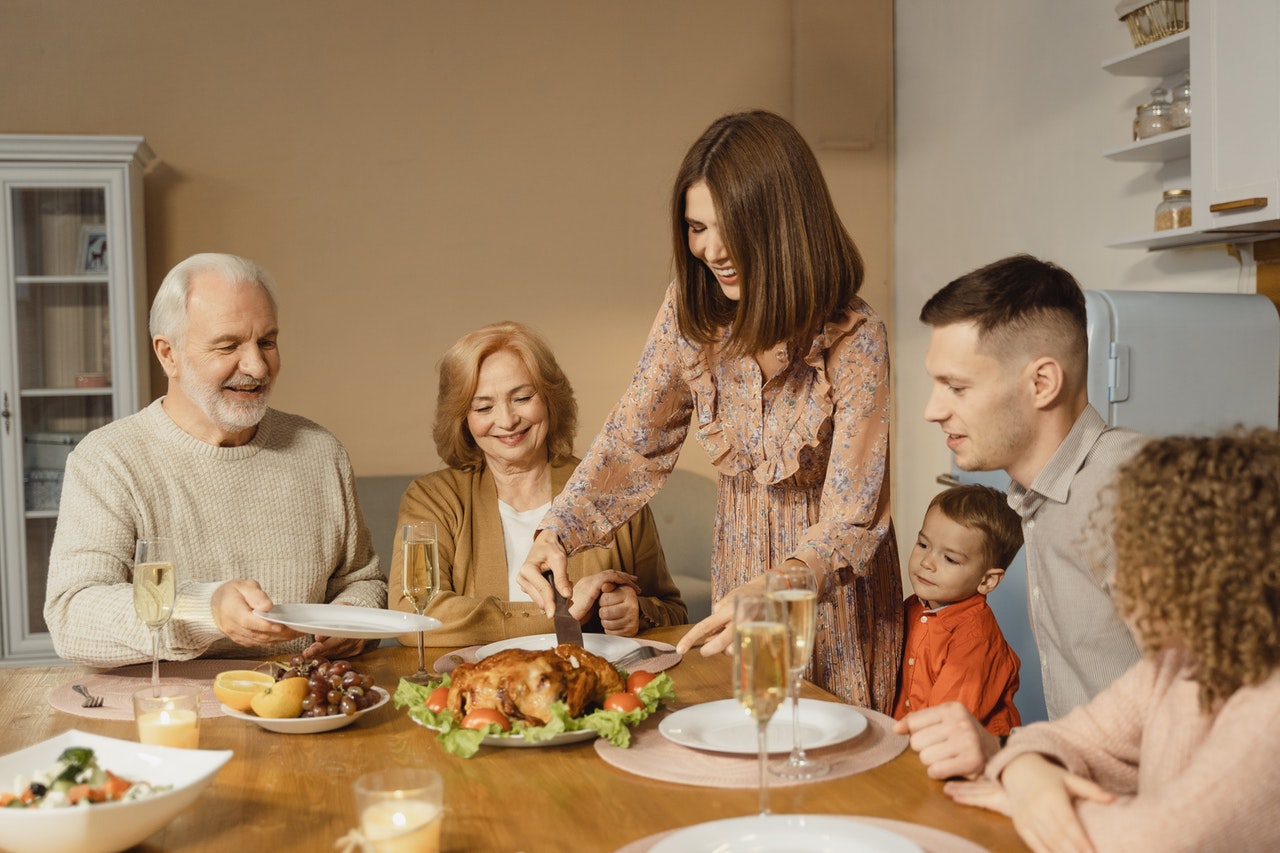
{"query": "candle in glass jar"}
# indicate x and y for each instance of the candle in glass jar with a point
(402, 826)
(172, 727)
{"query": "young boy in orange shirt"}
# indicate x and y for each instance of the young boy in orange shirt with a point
(955, 650)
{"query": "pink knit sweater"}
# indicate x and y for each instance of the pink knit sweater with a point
(1183, 780)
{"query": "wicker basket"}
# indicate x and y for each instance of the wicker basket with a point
(1151, 20)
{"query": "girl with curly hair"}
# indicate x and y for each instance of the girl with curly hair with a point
(1180, 753)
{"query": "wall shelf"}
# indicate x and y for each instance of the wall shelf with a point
(1159, 59)
(1173, 145)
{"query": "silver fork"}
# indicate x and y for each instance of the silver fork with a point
(635, 656)
(90, 701)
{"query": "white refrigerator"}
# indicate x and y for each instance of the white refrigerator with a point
(1161, 364)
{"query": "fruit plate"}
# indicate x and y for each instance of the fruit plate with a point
(518, 741)
(309, 725)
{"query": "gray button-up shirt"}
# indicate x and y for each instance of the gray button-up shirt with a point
(1083, 643)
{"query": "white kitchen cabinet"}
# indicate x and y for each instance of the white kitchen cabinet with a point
(1237, 63)
(73, 343)
(1230, 156)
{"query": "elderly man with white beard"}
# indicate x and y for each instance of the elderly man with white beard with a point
(260, 505)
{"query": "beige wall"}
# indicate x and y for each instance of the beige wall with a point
(410, 169)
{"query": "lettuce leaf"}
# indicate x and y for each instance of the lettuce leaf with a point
(614, 726)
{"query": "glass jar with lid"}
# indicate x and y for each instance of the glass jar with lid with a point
(1180, 109)
(1174, 210)
(1153, 119)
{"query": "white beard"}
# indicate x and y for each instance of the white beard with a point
(227, 415)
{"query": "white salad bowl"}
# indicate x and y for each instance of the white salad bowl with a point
(103, 827)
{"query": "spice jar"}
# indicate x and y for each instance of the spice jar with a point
(1174, 210)
(1153, 119)
(1180, 109)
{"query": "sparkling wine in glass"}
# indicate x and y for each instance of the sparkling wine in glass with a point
(154, 590)
(795, 589)
(761, 666)
(420, 579)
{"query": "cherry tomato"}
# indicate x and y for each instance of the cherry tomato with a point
(624, 702)
(636, 681)
(439, 699)
(481, 717)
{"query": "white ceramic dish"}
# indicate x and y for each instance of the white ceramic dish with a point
(308, 725)
(723, 726)
(785, 832)
(340, 620)
(607, 646)
(104, 827)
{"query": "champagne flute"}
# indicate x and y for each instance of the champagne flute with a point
(154, 590)
(420, 579)
(795, 589)
(761, 662)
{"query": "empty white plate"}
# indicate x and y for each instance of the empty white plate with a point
(342, 620)
(725, 726)
(785, 832)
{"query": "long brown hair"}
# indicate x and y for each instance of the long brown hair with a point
(460, 374)
(798, 264)
(1198, 557)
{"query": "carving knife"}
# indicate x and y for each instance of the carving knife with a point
(567, 628)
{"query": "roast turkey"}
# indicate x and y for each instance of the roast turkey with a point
(523, 684)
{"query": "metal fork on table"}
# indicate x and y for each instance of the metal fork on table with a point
(90, 701)
(639, 654)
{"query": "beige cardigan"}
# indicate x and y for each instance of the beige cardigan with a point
(472, 602)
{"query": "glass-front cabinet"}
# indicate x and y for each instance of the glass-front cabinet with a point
(73, 343)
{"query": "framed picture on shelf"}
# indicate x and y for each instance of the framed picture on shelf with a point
(93, 248)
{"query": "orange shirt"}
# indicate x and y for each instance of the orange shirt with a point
(957, 653)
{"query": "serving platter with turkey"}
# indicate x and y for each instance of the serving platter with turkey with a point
(548, 697)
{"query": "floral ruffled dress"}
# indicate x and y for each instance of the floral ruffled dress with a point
(803, 460)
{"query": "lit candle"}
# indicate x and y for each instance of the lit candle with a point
(402, 826)
(170, 727)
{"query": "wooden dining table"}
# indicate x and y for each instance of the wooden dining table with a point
(292, 792)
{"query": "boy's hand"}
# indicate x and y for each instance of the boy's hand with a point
(950, 740)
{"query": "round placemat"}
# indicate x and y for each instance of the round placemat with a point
(666, 658)
(932, 840)
(653, 756)
(117, 686)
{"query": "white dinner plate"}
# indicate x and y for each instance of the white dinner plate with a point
(607, 646)
(725, 726)
(518, 741)
(785, 832)
(342, 620)
(308, 725)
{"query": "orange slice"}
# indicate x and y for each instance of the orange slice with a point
(236, 688)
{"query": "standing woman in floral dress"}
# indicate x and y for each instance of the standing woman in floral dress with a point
(763, 346)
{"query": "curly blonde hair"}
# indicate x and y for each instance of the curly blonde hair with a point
(1198, 555)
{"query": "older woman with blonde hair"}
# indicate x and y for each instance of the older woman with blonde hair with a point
(505, 424)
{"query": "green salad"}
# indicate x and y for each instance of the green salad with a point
(614, 726)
